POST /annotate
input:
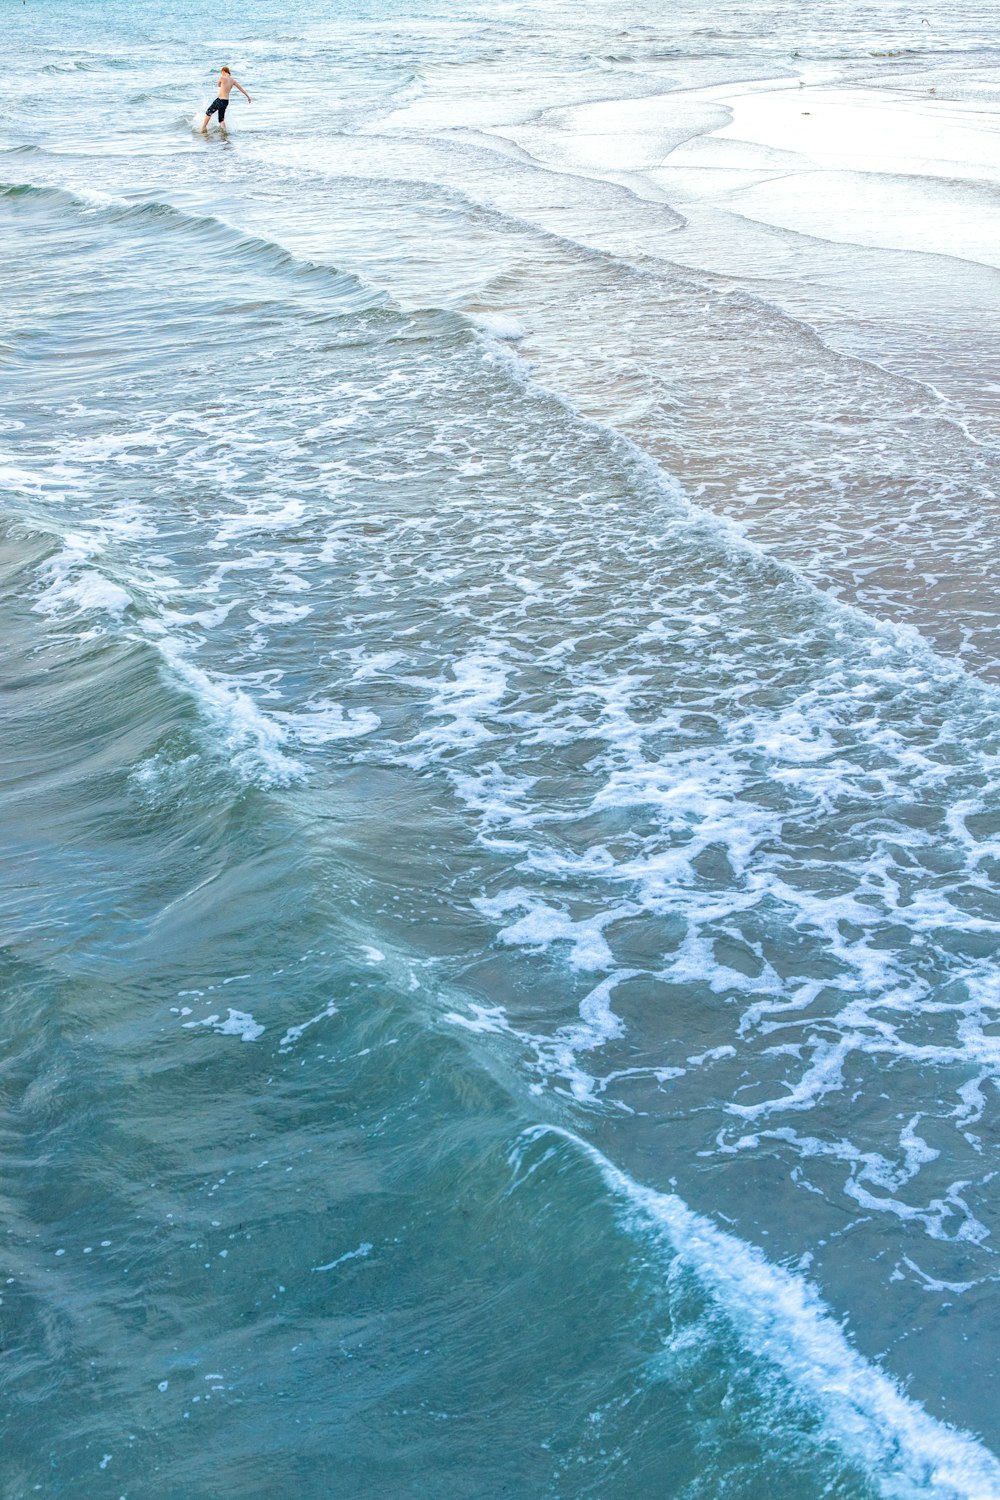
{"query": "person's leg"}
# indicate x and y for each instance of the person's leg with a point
(223, 106)
(208, 115)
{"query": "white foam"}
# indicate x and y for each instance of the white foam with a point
(946, 1217)
(780, 1318)
(253, 739)
(293, 1033)
(283, 513)
(364, 1249)
(471, 693)
(705, 800)
(323, 721)
(482, 1020)
(935, 1284)
(541, 925)
(278, 613)
(500, 326)
(76, 586)
(559, 1055)
(368, 664)
(237, 1023)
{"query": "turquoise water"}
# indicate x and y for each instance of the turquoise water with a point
(500, 764)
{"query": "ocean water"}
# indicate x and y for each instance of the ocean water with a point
(500, 751)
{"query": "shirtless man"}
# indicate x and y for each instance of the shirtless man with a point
(220, 104)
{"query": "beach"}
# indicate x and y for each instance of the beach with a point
(500, 752)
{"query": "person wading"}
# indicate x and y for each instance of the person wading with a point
(220, 103)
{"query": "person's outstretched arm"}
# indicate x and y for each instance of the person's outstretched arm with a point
(243, 92)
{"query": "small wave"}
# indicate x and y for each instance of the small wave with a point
(780, 1318)
(75, 585)
(77, 66)
(76, 581)
(265, 253)
(252, 740)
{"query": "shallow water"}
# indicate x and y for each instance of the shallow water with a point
(500, 763)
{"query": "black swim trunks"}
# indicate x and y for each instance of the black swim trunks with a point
(218, 106)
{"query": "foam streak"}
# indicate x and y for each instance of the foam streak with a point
(781, 1318)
